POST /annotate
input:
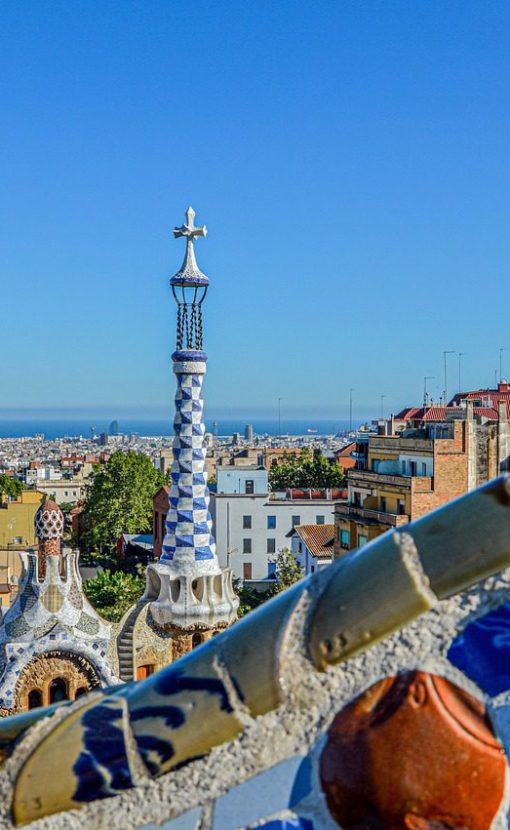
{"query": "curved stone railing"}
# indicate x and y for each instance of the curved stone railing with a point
(115, 740)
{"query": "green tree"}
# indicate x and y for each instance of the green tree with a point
(119, 499)
(9, 486)
(288, 572)
(306, 471)
(113, 593)
(67, 506)
(249, 599)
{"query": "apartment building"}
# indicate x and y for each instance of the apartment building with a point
(252, 524)
(438, 454)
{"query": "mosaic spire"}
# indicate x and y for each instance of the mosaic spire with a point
(188, 525)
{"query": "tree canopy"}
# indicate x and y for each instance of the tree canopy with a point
(288, 571)
(10, 486)
(119, 499)
(113, 593)
(305, 471)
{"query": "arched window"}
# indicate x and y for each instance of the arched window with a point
(58, 690)
(81, 690)
(196, 640)
(34, 699)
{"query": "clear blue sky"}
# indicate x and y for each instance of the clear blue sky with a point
(351, 161)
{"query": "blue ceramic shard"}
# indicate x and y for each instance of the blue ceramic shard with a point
(482, 651)
(302, 786)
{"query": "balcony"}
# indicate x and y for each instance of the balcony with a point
(370, 479)
(398, 444)
(351, 512)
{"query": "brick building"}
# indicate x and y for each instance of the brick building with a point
(437, 454)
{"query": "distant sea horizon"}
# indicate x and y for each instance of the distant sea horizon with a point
(74, 427)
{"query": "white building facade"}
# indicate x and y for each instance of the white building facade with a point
(252, 527)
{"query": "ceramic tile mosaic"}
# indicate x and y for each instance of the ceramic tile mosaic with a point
(46, 616)
(261, 796)
(482, 651)
(188, 523)
(207, 699)
(188, 821)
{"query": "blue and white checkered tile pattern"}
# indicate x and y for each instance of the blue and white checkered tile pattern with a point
(188, 523)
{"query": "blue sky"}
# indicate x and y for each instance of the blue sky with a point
(350, 159)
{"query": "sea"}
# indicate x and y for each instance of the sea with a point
(54, 428)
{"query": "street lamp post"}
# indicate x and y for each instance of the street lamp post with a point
(382, 406)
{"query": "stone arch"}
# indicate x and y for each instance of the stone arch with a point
(34, 698)
(50, 673)
(58, 689)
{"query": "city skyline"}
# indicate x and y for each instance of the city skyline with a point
(318, 234)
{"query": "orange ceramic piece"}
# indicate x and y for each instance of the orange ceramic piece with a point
(414, 752)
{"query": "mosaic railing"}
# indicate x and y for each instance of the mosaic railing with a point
(428, 680)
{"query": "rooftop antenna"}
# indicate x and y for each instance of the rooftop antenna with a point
(425, 393)
(351, 390)
(461, 355)
(445, 356)
(502, 349)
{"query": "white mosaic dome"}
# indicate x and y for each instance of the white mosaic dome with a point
(49, 521)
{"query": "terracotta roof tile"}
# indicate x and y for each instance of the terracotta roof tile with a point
(486, 412)
(318, 539)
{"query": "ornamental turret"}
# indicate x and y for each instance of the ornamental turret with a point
(49, 530)
(187, 588)
(53, 644)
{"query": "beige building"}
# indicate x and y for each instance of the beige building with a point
(16, 533)
(63, 491)
(439, 454)
(17, 520)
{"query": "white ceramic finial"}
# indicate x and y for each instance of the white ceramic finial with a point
(189, 269)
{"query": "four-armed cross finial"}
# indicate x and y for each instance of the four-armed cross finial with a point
(188, 230)
(190, 271)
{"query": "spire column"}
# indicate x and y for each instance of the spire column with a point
(188, 523)
(187, 589)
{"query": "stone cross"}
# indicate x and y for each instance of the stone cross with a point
(189, 230)
(189, 269)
